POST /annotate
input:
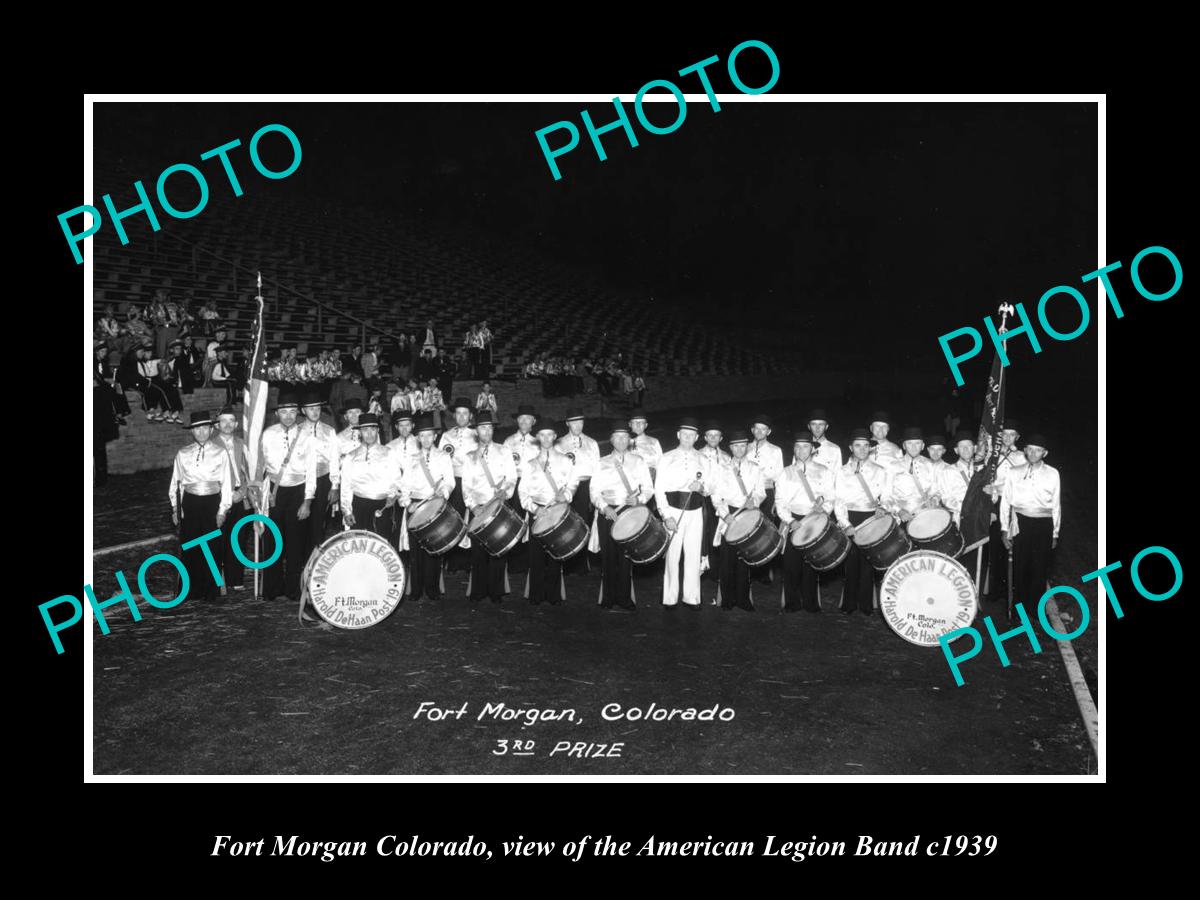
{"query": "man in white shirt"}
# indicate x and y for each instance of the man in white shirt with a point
(622, 480)
(914, 484)
(862, 489)
(370, 482)
(290, 484)
(684, 479)
(232, 568)
(739, 486)
(523, 446)
(486, 400)
(645, 445)
(548, 478)
(825, 451)
(883, 451)
(769, 458)
(1011, 462)
(488, 473)
(457, 442)
(935, 446)
(802, 488)
(1030, 518)
(201, 493)
(717, 459)
(429, 473)
(584, 454)
(321, 440)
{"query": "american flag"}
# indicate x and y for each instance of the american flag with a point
(976, 516)
(254, 412)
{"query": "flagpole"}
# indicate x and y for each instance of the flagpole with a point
(1005, 311)
(257, 525)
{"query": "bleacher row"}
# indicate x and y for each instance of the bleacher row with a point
(386, 271)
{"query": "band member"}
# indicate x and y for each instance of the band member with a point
(584, 454)
(1011, 459)
(370, 482)
(1030, 518)
(863, 490)
(769, 458)
(349, 437)
(167, 384)
(935, 446)
(523, 446)
(914, 485)
(488, 473)
(804, 487)
(717, 459)
(154, 401)
(883, 451)
(457, 442)
(953, 482)
(645, 445)
(405, 443)
(684, 479)
(825, 451)
(289, 486)
(232, 569)
(622, 480)
(548, 478)
(430, 472)
(201, 493)
(321, 440)
(739, 486)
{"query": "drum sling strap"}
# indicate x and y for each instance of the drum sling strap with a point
(866, 489)
(808, 490)
(912, 470)
(286, 459)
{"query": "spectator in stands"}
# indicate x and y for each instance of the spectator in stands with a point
(627, 385)
(426, 367)
(474, 348)
(353, 362)
(139, 330)
(402, 358)
(165, 382)
(337, 392)
(486, 400)
(433, 402)
(106, 390)
(210, 318)
(335, 365)
(181, 368)
(485, 338)
(195, 357)
(446, 371)
(370, 367)
(639, 388)
(108, 328)
(430, 338)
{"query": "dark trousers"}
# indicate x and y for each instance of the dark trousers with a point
(199, 518)
(735, 579)
(707, 550)
(473, 367)
(319, 511)
(458, 560)
(859, 590)
(487, 574)
(426, 574)
(616, 581)
(169, 394)
(518, 556)
(998, 564)
(283, 575)
(762, 574)
(364, 515)
(800, 581)
(581, 502)
(232, 569)
(545, 575)
(1031, 560)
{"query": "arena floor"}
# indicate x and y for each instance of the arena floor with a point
(240, 688)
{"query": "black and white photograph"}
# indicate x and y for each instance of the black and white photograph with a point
(537, 437)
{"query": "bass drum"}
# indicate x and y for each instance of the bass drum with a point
(926, 595)
(882, 540)
(560, 530)
(353, 580)
(752, 536)
(821, 543)
(497, 526)
(436, 525)
(641, 534)
(934, 529)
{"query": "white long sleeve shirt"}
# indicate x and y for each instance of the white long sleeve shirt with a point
(407, 447)
(888, 455)
(953, 481)
(463, 441)
(828, 454)
(648, 448)
(477, 489)
(525, 446)
(730, 494)
(322, 441)
(792, 500)
(535, 490)
(849, 495)
(202, 469)
(584, 450)
(1032, 491)
(769, 458)
(677, 470)
(277, 443)
(914, 484)
(607, 488)
(415, 486)
(371, 472)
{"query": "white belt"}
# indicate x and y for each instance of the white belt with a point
(202, 488)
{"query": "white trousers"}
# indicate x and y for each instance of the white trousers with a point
(687, 540)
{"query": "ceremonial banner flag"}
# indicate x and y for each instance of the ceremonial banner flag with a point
(977, 503)
(255, 410)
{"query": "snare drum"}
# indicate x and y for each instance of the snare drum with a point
(354, 579)
(934, 529)
(560, 530)
(753, 537)
(821, 543)
(641, 534)
(882, 540)
(436, 525)
(497, 526)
